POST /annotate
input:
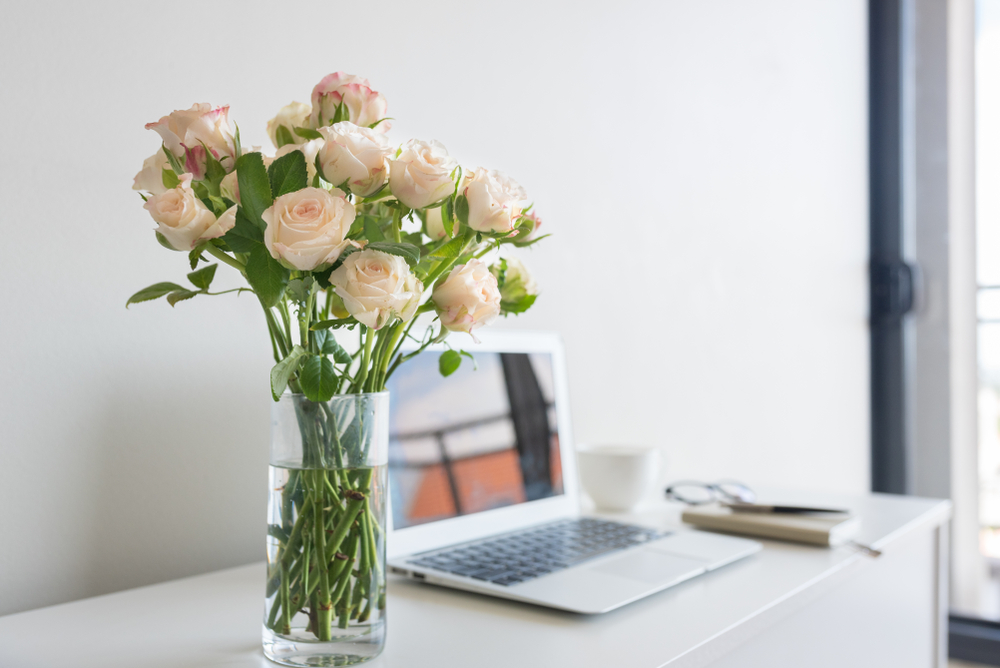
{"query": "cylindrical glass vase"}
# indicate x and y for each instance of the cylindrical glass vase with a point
(325, 599)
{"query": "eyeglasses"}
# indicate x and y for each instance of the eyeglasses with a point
(696, 493)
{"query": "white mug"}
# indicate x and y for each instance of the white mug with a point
(618, 477)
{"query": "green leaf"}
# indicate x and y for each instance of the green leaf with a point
(358, 226)
(381, 120)
(525, 244)
(318, 378)
(327, 324)
(372, 230)
(299, 288)
(203, 277)
(282, 137)
(451, 249)
(331, 347)
(461, 209)
(214, 171)
(266, 276)
(175, 164)
(255, 189)
(342, 114)
(170, 180)
(449, 362)
(408, 252)
(180, 295)
(464, 353)
(448, 217)
(154, 291)
(288, 174)
(308, 133)
(195, 255)
(519, 306)
(282, 372)
(163, 242)
(244, 236)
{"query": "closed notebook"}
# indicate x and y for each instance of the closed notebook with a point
(828, 530)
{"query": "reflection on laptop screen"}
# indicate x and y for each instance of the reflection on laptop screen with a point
(479, 439)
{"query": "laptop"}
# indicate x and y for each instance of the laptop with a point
(484, 492)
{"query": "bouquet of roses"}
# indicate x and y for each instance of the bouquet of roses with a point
(340, 230)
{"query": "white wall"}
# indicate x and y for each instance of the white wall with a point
(701, 164)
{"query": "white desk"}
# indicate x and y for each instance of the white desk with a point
(787, 606)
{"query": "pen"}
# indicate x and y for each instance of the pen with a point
(788, 510)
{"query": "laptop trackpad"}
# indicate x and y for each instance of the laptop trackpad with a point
(652, 567)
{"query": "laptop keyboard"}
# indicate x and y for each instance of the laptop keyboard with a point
(525, 555)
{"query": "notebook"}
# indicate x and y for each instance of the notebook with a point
(829, 530)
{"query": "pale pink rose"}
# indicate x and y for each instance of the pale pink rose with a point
(187, 133)
(183, 220)
(291, 116)
(468, 298)
(495, 200)
(377, 287)
(421, 174)
(150, 177)
(306, 228)
(434, 224)
(357, 155)
(364, 105)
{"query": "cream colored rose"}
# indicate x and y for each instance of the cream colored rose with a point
(494, 200)
(187, 133)
(310, 150)
(291, 116)
(364, 105)
(182, 219)
(434, 224)
(150, 177)
(422, 173)
(306, 229)
(468, 298)
(377, 287)
(357, 155)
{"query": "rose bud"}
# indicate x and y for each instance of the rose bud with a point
(516, 284)
(188, 133)
(182, 218)
(291, 116)
(364, 105)
(468, 298)
(434, 224)
(357, 155)
(494, 200)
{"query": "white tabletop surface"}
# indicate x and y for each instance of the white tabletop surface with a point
(215, 619)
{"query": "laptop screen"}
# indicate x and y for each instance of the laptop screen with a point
(485, 437)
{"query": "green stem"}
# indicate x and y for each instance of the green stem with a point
(226, 257)
(354, 506)
(363, 373)
(319, 537)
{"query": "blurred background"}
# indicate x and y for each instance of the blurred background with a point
(703, 168)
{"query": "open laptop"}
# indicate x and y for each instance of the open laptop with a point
(484, 492)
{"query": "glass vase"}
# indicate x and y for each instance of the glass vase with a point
(325, 597)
